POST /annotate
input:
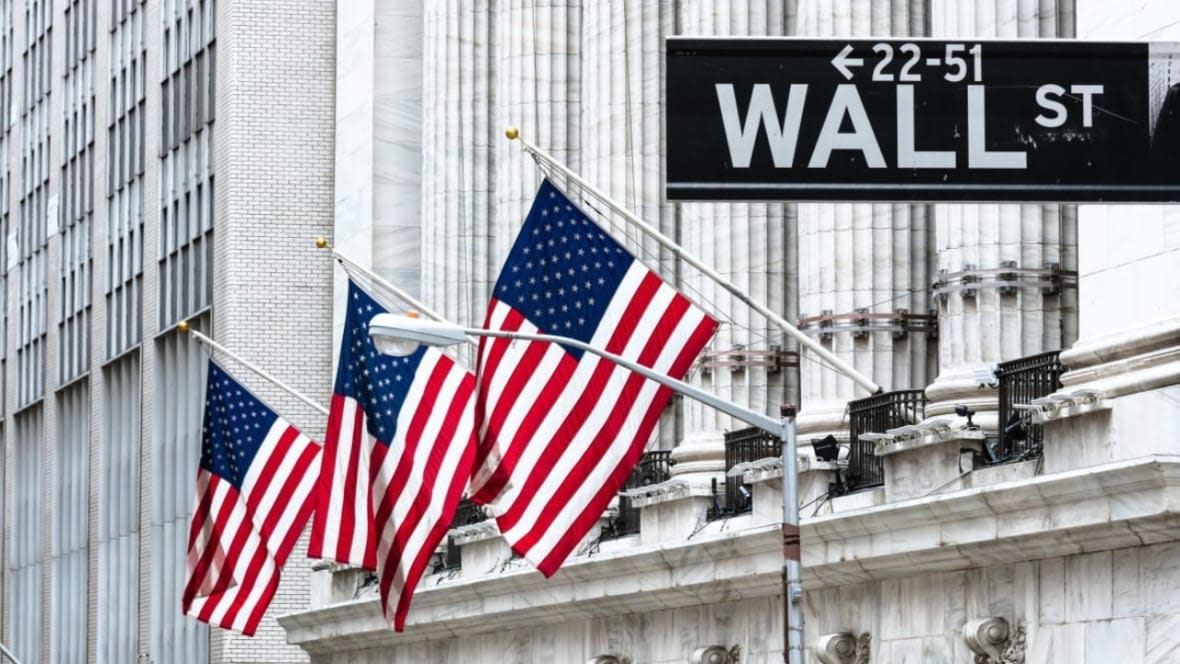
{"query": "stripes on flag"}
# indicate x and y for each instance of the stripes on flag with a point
(254, 496)
(398, 454)
(560, 429)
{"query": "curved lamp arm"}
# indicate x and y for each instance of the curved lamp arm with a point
(400, 335)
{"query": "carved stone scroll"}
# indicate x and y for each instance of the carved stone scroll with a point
(716, 655)
(994, 642)
(843, 648)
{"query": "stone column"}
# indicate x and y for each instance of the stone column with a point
(536, 86)
(863, 268)
(458, 133)
(979, 327)
(621, 133)
(487, 66)
(750, 244)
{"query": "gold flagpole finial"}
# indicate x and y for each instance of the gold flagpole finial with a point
(512, 133)
(182, 326)
(321, 243)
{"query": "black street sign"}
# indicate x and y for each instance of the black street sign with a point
(918, 119)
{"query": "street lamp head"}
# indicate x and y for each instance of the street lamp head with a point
(398, 335)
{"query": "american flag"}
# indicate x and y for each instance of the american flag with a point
(397, 457)
(561, 429)
(254, 489)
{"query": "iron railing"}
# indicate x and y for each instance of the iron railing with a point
(1021, 381)
(877, 414)
(741, 446)
(653, 467)
(467, 514)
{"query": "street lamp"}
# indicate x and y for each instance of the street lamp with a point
(401, 335)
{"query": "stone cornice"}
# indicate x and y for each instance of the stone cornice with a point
(1119, 345)
(1106, 507)
(1096, 386)
(712, 567)
(1128, 503)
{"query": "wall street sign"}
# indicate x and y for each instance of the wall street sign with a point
(918, 119)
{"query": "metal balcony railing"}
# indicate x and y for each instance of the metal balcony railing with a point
(467, 514)
(1021, 381)
(877, 414)
(653, 467)
(741, 446)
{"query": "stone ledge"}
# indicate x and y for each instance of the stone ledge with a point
(1093, 389)
(1106, 507)
(771, 468)
(717, 565)
(673, 489)
(915, 436)
(1121, 345)
(476, 532)
(1100, 508)
(1112, 366)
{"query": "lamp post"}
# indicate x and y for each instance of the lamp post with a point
(401, 335)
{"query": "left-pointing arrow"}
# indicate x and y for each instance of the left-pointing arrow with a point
(842, 62)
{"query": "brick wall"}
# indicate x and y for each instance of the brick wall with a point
(272, 301)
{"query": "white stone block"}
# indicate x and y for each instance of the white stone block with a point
(1163, 639)
(1128, 597)
(1052, 591)
(906, 651)
(1088, 585)
(939, 649)
(1058, 643)
(1161, 573)
(1116, 640)
(858, 500)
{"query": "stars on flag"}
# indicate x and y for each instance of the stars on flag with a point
(562, 271)
(236, 424)
(378, 382)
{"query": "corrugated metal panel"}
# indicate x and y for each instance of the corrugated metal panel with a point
(36, 203)
(185, 251)
(176, 444)
(77, 192)
(118, 514)
(67, 603)
(25, 551)
(6, 121)
(125, 167)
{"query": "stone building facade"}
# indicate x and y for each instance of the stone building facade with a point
(160, 161)
(1066, 555)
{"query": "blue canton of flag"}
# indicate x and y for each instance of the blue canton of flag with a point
(563, 270)
(235, 425)
(379, 383)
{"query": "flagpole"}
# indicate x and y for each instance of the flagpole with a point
(7, 653)
(414, 302)
(418, 305)
(183, 326)
(827, 356)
